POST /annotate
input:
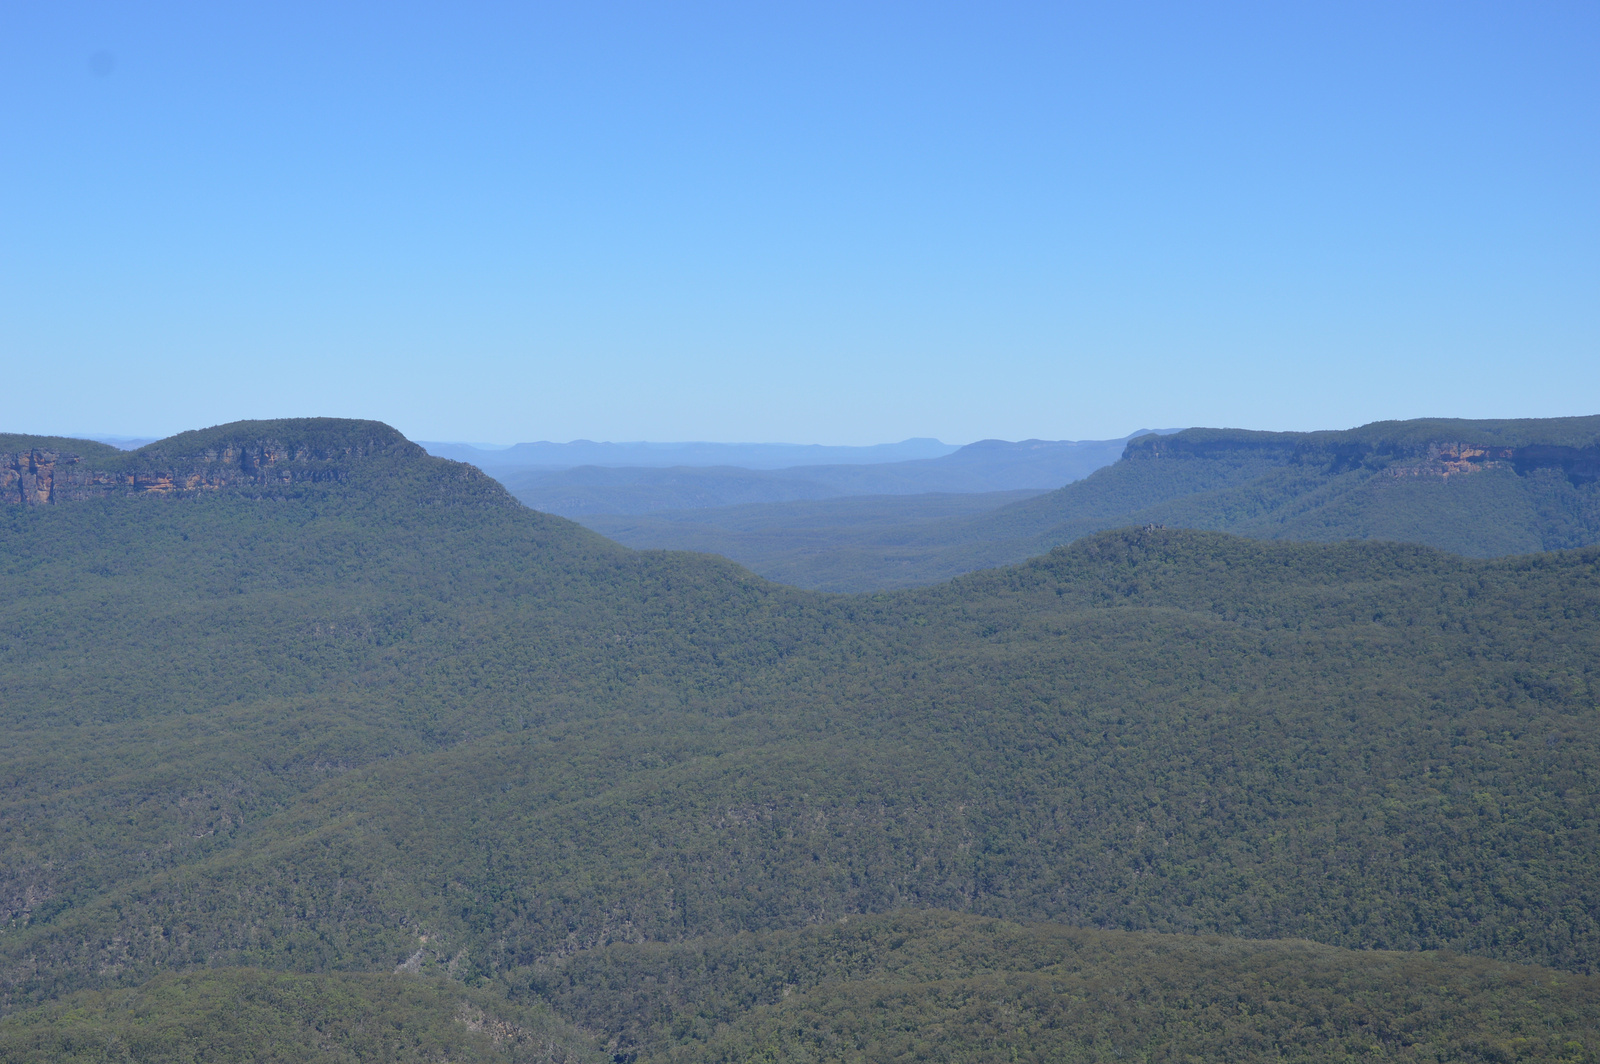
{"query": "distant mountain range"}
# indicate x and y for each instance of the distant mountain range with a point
(551, 456)
(1477, 488)
(986, 466)
(125, 443)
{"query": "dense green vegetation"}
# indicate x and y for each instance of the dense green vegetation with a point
(234, 1016)
(379, 715)
(919, 986)
(904, 986)
(1535, 486)
(791, 542)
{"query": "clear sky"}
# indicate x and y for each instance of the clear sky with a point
(813, 222)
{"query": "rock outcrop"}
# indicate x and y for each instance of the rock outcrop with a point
(28, 478)
(263, 456)
(1402, 449)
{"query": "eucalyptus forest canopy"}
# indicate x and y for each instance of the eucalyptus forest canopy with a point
(315, 742)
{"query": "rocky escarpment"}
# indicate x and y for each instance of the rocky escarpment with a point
(1437, 448)
(28, 478)
(263, 457)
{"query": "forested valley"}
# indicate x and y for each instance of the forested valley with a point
(1477, 488)
(318, 748)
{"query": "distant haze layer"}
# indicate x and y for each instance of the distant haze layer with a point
(546, 455)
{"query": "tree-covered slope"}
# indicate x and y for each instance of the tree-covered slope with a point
(902, 986)
(365, 711)
(1477, 488)
(240, 1016)
(841, 544)
(930, 985)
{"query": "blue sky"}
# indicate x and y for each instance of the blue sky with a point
(836, 223)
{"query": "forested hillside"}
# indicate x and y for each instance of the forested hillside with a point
(915, 986)
(1478, 488)
(240, 1014)
(841, 542)
(294, 696)
(900, 987)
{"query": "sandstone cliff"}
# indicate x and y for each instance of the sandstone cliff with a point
(263, 457)
(1441, 448)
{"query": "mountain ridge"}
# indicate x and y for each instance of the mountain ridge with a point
(264, 455)
(392, 720)
(545, 455)
(1480, 489)
(984, 467)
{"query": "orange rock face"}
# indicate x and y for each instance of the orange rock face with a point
(39, 477)
(1454, 459)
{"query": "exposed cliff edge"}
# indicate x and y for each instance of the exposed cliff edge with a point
(1477, 488)
(265, 456)
(1425, 447)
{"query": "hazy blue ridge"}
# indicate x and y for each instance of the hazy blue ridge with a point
(1479, 489)
(552, 456)
(987, 466)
